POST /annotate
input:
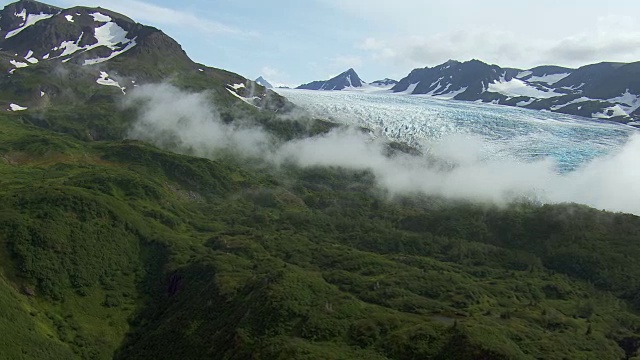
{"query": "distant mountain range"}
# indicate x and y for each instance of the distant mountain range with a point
(600, 91)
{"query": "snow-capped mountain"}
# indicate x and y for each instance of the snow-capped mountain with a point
(347, 80)
(603, 91)
(261, 81)
(33, 32)
(94, 54)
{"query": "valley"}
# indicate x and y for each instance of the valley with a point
(155, 207)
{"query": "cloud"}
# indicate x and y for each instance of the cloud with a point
(189, 122)
(614, 38)
(471, 176)
(456, 166)
(163, 16)
(505, 48)
(413, 33)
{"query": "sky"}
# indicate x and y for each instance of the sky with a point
(290, 42)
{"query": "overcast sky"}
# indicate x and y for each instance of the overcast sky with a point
(296, 41)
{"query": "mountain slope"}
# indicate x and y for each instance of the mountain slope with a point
(114, 248)
(97, 55)
(603, 91)
(115, 251)
(346, 80)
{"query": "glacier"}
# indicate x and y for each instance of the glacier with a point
(506, 132)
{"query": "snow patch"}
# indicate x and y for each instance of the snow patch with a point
(442, 91)
(113, 54)
(628, 102)
(517, 87)
(523, 74)
(69, 18)
(30, 20)
(237, 86)
(248, 101)
(16, 107)
(435, 82)
(576, 101)
(525, 103)
(98, 17)
(451, 94)
(29, 57)
(610, 112)
(22, 14)
(410, 89)
(46, 57)
(109, 35)
(573, 87)
(548, 79)
(106, 81)
(18, 64)
(70, 47)
(42, 93)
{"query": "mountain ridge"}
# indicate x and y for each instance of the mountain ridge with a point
(345, 80)
(114, 248)
(94, 51)
(607, 90)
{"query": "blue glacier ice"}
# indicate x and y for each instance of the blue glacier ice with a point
(507, 132)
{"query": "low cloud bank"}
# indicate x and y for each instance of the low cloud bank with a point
(173, 118)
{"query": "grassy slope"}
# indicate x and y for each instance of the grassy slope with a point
(133, 251)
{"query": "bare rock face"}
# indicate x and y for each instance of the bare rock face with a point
(346, 80)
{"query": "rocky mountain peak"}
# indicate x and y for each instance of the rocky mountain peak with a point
(347, 79)
(262, 81)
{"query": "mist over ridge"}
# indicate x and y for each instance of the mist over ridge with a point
(190, 122)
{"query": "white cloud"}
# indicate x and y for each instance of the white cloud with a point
(419, 33)
(614, 38)
(506, 48)
(189, 122)
(148, 13)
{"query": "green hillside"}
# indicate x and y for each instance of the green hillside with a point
(119, 249)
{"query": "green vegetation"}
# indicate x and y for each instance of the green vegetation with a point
(114, 249)
(119, 249)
